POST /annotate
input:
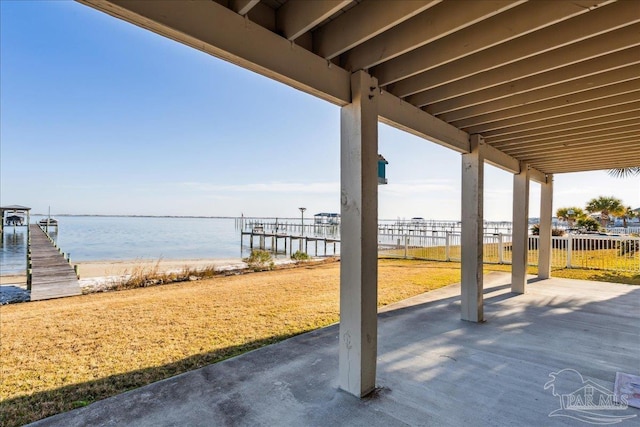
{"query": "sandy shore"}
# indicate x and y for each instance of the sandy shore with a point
(98, 276)
(93, 269)
(88, 269)
(13, 280)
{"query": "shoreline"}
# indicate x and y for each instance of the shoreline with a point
(107, 268)
(104, 270)
(95, 275)
(101, 276)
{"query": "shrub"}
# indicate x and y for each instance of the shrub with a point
(588, 224)
(259, 260)
(535, 230)
(300, 256)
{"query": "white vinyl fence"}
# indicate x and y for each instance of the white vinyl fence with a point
(616, 253)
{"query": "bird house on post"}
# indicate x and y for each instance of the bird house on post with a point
(382, 170)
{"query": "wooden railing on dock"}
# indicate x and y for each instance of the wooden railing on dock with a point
(49, 274)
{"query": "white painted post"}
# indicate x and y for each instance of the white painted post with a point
(472, 231)
(569, 249)
(406, 246)
(520, 240)
(544, 241)
(500, 249)
(447, 246)
(359, 241)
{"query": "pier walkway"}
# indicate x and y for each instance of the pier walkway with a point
(51, 274)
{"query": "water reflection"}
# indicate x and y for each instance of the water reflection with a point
(13, 256)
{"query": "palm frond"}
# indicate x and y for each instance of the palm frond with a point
(624, 172)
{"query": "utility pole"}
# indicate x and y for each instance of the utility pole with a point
(302, 214)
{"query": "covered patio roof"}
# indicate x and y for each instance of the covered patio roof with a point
(535, 88)
(554, 84)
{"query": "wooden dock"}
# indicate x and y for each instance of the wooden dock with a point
(302, 242)
(51, 274)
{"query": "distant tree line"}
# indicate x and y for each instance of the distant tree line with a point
(608, 207)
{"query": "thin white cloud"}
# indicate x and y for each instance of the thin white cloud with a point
(419, 186)
(269, 187)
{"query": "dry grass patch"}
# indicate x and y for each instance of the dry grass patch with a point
(61, 354)
(625, 277)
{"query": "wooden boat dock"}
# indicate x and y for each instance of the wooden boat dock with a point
(49, 273)
(302, 241)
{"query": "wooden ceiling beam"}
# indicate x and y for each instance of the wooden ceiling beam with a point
(583, 84)
(363, 22)
(428, 92)
(556, 106)
(567, 128)
(575, 119)
(430, 25)
(294, 18)
(242, 7)
(520, 32)
(582, 164)
(583, 145)
(617, 103)
(567, 135)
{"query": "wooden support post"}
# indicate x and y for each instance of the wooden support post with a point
(545, 239)
(359, 244)
(520, 241)
(472, 232)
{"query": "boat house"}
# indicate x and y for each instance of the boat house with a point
(14, 215)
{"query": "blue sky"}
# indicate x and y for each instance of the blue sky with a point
(101, 117)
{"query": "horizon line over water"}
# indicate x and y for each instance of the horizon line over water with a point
(118, 238)
(131, 237)
(292, 218)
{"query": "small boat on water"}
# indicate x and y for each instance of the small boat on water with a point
(15, 220)
(48, 221)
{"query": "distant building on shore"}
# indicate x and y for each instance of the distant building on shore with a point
(327, 218)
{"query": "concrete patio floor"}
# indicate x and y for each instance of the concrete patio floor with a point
(433, 368)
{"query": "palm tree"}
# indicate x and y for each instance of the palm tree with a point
(570, 215)
(629, 213)
(607, 206)
(624, 172)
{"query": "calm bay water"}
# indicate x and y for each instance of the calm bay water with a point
(89, 238)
